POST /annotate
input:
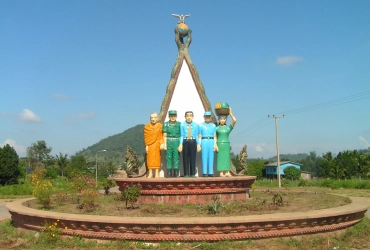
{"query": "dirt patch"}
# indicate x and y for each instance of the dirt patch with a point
(262, 202)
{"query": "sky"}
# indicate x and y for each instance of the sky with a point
(75, 72)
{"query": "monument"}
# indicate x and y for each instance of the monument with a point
(185, 84)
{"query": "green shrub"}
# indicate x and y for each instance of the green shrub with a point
(292, 173)
(51, 173)
(285, 183)
(107, 184)
(17, 189)
(88, 199)
(303, 183)
(130, 194)
(215, 205)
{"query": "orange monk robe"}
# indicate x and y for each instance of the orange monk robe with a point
(153, 139)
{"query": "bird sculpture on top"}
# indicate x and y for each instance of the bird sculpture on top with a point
(181, 17)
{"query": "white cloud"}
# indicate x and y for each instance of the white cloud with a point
(19, 148)
(288, 60)
(60, 96)
(259, 149)
(363, 142)
(3, 114)
(28, 116)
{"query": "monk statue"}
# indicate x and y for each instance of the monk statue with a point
(153, 140)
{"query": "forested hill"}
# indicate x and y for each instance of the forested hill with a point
(290, 157)
(116, 145)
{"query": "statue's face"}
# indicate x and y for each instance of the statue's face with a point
(153, 118)
(189, 117)
(222, 120)
(207, 118)
(172, 118)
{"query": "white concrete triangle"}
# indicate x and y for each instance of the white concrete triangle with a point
(185, 96)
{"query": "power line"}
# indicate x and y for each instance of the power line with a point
(338, 101)
(251, 126)
(343, 100)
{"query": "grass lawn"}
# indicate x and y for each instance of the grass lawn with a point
(294, 199)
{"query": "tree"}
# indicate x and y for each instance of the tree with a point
(38, 153)
(106, 170)
(9, 170)
(292, 173)
(77, 164)
(62, 162)
(326, 164)
(346, 160)
(363, 162)
(255, 168)
(309, 164)
(336, 172)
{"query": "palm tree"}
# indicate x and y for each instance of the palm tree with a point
(336, 172)
(363, 164)
(328, 163)
(62, 162)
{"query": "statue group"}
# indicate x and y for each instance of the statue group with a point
(189, 138)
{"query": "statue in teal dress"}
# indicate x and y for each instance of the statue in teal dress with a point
(223, 144)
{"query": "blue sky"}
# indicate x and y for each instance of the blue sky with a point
(75, 72)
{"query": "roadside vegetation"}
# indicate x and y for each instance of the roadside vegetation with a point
(68, 183)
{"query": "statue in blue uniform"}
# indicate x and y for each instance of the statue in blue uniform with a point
(207, 136)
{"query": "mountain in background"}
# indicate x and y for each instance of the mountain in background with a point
(290, 157)
(134, 138)
(116, 146)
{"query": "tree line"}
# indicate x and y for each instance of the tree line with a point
(347, 164)
(39, 154)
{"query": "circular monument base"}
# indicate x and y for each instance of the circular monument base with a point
(189, 229)
(198, 190)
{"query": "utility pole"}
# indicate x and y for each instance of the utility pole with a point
(277, 143)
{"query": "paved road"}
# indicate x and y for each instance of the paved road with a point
(4, 214)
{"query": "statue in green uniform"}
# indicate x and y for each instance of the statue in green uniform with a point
(171, 137)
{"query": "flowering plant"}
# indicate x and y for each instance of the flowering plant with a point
(51, 231)
(43, 192)
(88, 199)
(82, 182)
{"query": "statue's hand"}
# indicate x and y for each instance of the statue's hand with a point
(198, 148)
(215, 148)
(146, 149)
(180, 148)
